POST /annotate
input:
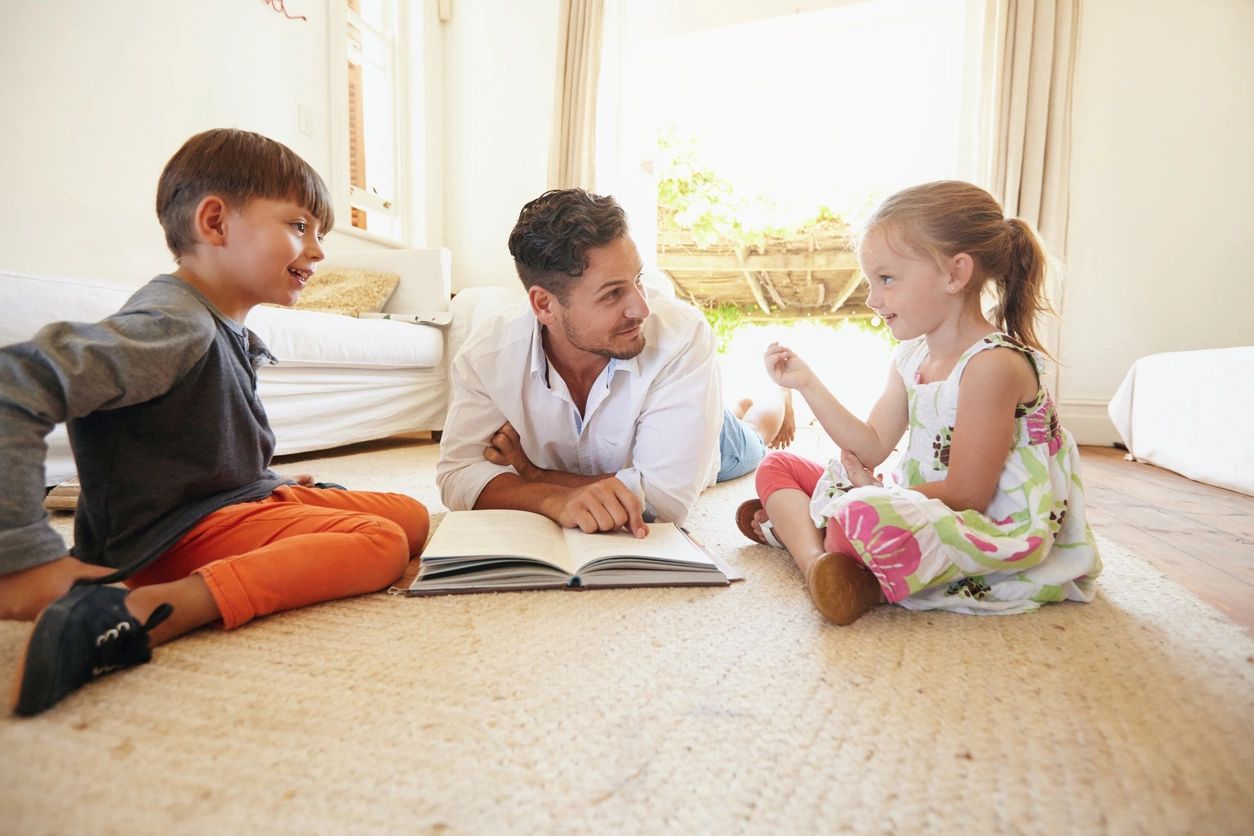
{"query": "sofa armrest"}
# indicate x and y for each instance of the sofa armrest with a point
(472, 306)
(425, 272)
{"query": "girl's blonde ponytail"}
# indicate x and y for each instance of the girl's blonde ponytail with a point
(1021, 286)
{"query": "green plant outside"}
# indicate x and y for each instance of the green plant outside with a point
(724, 319)
(727, 320)
(693, 198)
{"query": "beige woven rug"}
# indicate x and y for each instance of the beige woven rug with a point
(724, 710)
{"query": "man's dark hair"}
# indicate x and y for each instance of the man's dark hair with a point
(237, 166)
(554, 232)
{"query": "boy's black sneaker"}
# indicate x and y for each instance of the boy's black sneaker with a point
(82, 635)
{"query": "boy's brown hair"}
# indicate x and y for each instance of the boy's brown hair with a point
(236, 166)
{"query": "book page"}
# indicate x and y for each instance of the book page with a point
(665, 544)
(495, 533)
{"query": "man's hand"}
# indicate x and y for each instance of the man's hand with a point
(605, 505)
(505, 449)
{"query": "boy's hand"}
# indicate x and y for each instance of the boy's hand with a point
(305, 480)
(786, 368)
(24, 594)
(606, 505)
(505, 449)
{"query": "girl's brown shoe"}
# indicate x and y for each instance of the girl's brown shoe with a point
(842, 589)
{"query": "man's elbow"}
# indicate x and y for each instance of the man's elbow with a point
(447, 495)
(669, 508)
(451, 492)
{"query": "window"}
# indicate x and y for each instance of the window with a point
(759, 179)
(370, 131)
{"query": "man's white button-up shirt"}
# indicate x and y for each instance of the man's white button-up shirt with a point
(653, 421)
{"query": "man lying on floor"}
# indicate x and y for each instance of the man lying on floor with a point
(597, 402)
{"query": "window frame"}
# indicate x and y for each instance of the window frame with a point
(346, 197)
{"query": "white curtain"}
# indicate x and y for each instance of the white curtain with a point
(1029, 61)
(572, 154)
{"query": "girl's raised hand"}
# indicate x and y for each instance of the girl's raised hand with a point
(786, 368)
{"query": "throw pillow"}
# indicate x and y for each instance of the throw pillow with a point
(347, 291)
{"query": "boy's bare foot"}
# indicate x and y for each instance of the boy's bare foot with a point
(788, 428)
(25, 594)
(842, 589)
(772, 419)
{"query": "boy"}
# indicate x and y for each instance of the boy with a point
(172, 444)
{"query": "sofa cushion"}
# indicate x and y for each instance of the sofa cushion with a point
(296, 337)
(318, 339)
(348, 291)
(27, 303)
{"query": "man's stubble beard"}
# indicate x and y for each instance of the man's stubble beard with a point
(573, 339)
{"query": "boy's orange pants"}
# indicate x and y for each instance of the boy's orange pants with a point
(296, 547)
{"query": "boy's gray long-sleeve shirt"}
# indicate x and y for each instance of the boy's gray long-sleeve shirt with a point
(163, 416)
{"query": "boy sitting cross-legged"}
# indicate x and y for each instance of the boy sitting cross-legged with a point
(172, 444)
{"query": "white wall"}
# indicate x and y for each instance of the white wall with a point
(111, 90)
(499, 72)
(1161, 165)
(97, 96)
(500, 66)
(660, 18)
(1161, 233)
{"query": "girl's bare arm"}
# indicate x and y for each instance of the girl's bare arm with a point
(993, 384)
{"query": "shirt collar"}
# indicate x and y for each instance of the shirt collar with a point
(632, 365)
(539, 363)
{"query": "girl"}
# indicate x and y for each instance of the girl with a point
(988, 513)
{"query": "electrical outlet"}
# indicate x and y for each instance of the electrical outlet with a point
(305, 119)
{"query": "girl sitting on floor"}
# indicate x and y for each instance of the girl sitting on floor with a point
(987, 515)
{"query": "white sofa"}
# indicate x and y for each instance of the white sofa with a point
(339, 379)
(1189, 411)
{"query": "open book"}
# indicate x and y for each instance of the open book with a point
(483, 551)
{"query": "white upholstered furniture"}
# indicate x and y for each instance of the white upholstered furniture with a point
(1192, 412)
(339, 379)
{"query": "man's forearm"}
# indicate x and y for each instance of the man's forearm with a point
(562, 477)
(513, 493)
(601, 505)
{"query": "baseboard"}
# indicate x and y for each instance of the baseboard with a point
(1088, 421)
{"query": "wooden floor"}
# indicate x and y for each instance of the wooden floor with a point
(1200, 536)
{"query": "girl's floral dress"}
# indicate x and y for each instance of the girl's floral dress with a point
(1033, 544)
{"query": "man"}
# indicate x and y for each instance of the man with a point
(595, 403)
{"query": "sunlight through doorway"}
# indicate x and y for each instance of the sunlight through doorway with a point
(762, 140)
